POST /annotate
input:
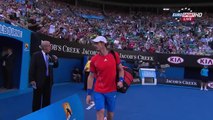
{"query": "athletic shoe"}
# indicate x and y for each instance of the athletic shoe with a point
(206, 89)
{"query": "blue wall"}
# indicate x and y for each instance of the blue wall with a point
(175, 73)
(64, 71)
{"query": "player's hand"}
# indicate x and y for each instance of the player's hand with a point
(120, 84)
(88, 99)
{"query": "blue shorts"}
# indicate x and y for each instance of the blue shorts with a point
(105, 101)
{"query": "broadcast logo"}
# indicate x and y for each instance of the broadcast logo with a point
(186, 15)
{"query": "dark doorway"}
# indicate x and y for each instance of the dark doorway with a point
(16, 45)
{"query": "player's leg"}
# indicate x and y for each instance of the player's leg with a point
(99, 105)
(110, 104)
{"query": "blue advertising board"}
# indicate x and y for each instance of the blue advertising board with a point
(69, 108)
(23, 35)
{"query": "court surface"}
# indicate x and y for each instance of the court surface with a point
(160, 102)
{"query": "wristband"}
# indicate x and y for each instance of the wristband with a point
(121, 79)
(89, 91)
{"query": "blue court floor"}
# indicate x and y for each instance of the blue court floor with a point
(159, 102)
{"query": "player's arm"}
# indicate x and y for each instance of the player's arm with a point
(121, 75)
(90, 80)
(89, 87)
(120, 70)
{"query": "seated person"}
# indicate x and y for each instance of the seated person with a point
(76, 75)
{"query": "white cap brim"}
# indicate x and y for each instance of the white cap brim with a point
(100, 39)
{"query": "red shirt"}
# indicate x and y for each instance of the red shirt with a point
(104, 69)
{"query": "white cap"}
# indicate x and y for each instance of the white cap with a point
(100, 39)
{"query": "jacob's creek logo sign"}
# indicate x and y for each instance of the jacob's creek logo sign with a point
(182, 82)
(205, 61)
(175, 59)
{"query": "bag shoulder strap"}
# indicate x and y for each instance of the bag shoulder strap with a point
(113, 53)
